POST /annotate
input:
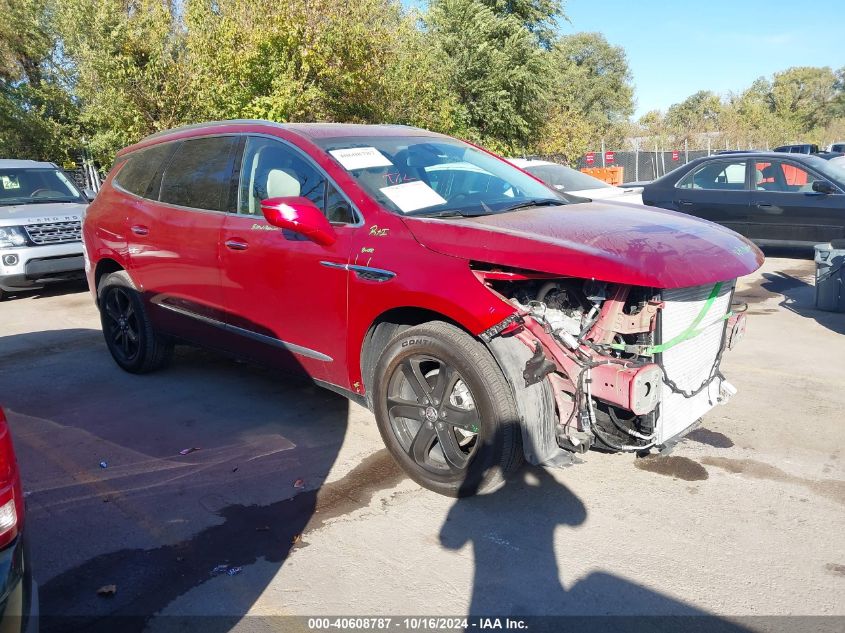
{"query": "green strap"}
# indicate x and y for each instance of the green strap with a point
(690, 332)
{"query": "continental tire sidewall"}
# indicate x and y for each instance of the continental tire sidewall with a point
(498, 431)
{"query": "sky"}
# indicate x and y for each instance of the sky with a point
(678, 47)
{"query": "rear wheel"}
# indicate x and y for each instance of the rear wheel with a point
(129, 334)
(445, 411)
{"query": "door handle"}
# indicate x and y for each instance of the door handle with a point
(140, 229)
(764, 205)
(685, 203)
(236, 245)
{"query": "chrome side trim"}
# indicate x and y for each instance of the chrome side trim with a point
(366, 273)
(262, 338)
(277, 342)
(193, 315)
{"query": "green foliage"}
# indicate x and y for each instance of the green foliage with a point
(492, 64)
(802, 96)
(37, 115)
(102, 75)
(538, 16)
(697, 113)
(592, 77)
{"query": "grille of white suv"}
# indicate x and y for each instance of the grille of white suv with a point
(54, 232)
(689, 364)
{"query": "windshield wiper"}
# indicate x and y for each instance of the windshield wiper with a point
(448, 213)
(537, 202)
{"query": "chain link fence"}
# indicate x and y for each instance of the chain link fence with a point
(627, 166)
(632, 166)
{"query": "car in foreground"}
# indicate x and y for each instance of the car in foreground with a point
(773, 199)
(482, 318)
(576, 183)
(41, 213)
(18, 591)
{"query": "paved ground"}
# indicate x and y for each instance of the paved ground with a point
(744, 518)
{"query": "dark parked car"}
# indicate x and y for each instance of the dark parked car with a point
(795, 200)
(798, 148)
(18, 594)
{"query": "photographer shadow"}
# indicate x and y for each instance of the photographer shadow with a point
(518, 573)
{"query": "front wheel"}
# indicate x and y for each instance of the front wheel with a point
(129, 334)
(445, 411)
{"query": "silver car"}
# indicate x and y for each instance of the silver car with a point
(41, 213)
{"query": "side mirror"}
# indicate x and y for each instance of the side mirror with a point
(301, 216)
(89, 194)
(823, 186)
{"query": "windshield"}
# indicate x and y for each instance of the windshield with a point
(36, 185)
(423, 175)
(565, 178)
(831, 169)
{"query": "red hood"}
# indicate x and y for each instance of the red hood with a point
(631, 244)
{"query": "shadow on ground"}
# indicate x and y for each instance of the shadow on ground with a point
(799, 296)
(517, 572)
(151, 521)
(57, 289)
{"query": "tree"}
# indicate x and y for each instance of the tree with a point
(804, 96)
(37, 116)
(538, 16)
(592, 77)
(127, 62)
(697, 114)
(566, 132)
(494, 67)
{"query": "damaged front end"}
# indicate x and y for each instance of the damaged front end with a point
(610, 366)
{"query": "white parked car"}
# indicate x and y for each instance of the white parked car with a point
(576, 183)
(838, 162)
(41, 213)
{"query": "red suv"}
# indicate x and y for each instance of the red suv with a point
(479, 314)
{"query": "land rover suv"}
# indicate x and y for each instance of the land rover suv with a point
(41, 214)
(482, 316)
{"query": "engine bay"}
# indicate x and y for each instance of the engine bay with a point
(598, 346)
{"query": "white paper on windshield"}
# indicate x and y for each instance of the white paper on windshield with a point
(410, 196)
(360, 158)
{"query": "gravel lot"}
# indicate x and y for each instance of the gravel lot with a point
(744, 518)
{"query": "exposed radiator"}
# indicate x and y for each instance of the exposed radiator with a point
(690, 363)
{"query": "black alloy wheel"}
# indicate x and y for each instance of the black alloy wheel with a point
(120, 324)
(433, 414)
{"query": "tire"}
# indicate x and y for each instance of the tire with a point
(135, 346)
(458, 445)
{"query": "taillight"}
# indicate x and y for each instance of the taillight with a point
(11, 494)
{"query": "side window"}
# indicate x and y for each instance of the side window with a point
(716, 175)
(200, 174)
(140, 168)
(272, 169)
(781, 176)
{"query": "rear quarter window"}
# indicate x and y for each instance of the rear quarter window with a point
(140, 168)
(199, 175)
